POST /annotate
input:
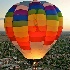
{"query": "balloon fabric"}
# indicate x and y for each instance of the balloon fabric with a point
(33, 27)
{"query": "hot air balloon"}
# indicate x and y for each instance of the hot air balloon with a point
(33, 27)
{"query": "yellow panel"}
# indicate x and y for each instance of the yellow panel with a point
(20, 29)
(60, 21)
(32, 17)
(8, 19)
(52, 23)
(60, 18)
(31, 23)
(21, 34)
(41, 17)
(52, 28)
(35, 16)
(41, 22)
(8, 24)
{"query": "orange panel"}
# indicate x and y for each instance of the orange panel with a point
(23, 39)
(20, 29)
(52, 28)
(8, 24)
(31, 23)
(21, 34)
(52, 23)
(42, 28)
(32, 28)
(51, 33)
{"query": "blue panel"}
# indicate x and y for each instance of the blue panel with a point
(56, 9)
(20, 17)
(36, 6)
(12, 9)
(51, 12)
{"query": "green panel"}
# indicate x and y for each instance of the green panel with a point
(41, 11)
(9, 14)
(59, 14)
(20, 23)
(32, 11)
(36, 11)
(52, 17)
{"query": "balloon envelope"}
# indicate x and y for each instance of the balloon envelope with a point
(33, 27)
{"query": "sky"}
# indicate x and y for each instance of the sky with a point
(63, 5)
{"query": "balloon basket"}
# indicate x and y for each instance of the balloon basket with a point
(34, 63)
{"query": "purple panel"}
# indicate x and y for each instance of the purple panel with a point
(49, 8)
(14, 6)
(34, 3)
(54, 6)
(21, 12)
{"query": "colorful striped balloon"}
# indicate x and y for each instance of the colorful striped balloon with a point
(33, 27)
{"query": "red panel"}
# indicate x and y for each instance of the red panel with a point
(36, 39)
(12, 38)
(37, 34)
(42, 28)
(48, 42)
(50, 38)
(9, 31)
(59, 32)
(32, 28)
(24, 45)
(58, 35)
(60, 28)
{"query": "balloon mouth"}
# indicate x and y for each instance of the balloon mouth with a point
(38, 50)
